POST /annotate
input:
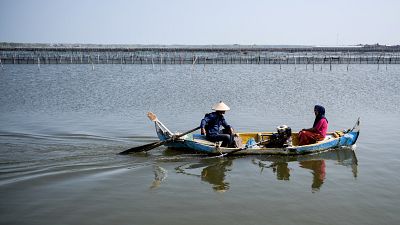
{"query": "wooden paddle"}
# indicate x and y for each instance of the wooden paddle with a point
(148, 147)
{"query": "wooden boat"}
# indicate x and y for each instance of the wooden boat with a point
(199, 143)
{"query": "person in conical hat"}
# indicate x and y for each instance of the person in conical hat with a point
(211, 123)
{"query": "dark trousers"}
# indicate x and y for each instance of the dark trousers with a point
(227, 139)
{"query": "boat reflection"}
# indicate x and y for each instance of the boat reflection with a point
(215, 170)
(315, 163)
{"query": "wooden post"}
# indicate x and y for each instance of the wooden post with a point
(306, 63)
(379, 57)
(313, 63)
(321, 63)
(348, 61)
(194, 60)
(386, 63)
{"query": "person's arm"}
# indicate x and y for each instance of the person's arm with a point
(227, 126)
(312, 129)
(203, 123)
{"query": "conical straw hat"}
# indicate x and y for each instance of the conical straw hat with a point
(220, 106)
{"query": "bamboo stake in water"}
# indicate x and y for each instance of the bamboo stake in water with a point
(386, 62)
(92, 65)
(307, 63)
(194, 62)
(313, 63)
(379, 57)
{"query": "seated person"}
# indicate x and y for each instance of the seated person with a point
(318, 131)
(211, 123)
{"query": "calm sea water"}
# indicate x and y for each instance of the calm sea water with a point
(62, 126)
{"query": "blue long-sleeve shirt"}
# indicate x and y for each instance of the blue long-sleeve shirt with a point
(212, 122)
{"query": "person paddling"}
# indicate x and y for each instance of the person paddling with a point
(211, 123)
(318, 131)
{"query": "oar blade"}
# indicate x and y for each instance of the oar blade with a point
(141, 148)
(152, 116)
(145, 148)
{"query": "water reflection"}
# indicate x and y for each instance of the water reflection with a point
(318, 170)
(315, 163)
(212, 171)
(159, 176)
(215, 170)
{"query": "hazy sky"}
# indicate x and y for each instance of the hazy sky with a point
(269, 22)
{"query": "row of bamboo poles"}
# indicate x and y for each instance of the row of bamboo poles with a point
(229, 59)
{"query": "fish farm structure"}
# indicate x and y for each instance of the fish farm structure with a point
(210, 54)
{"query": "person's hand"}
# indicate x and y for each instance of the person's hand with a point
(203, 131)
(232, 131)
